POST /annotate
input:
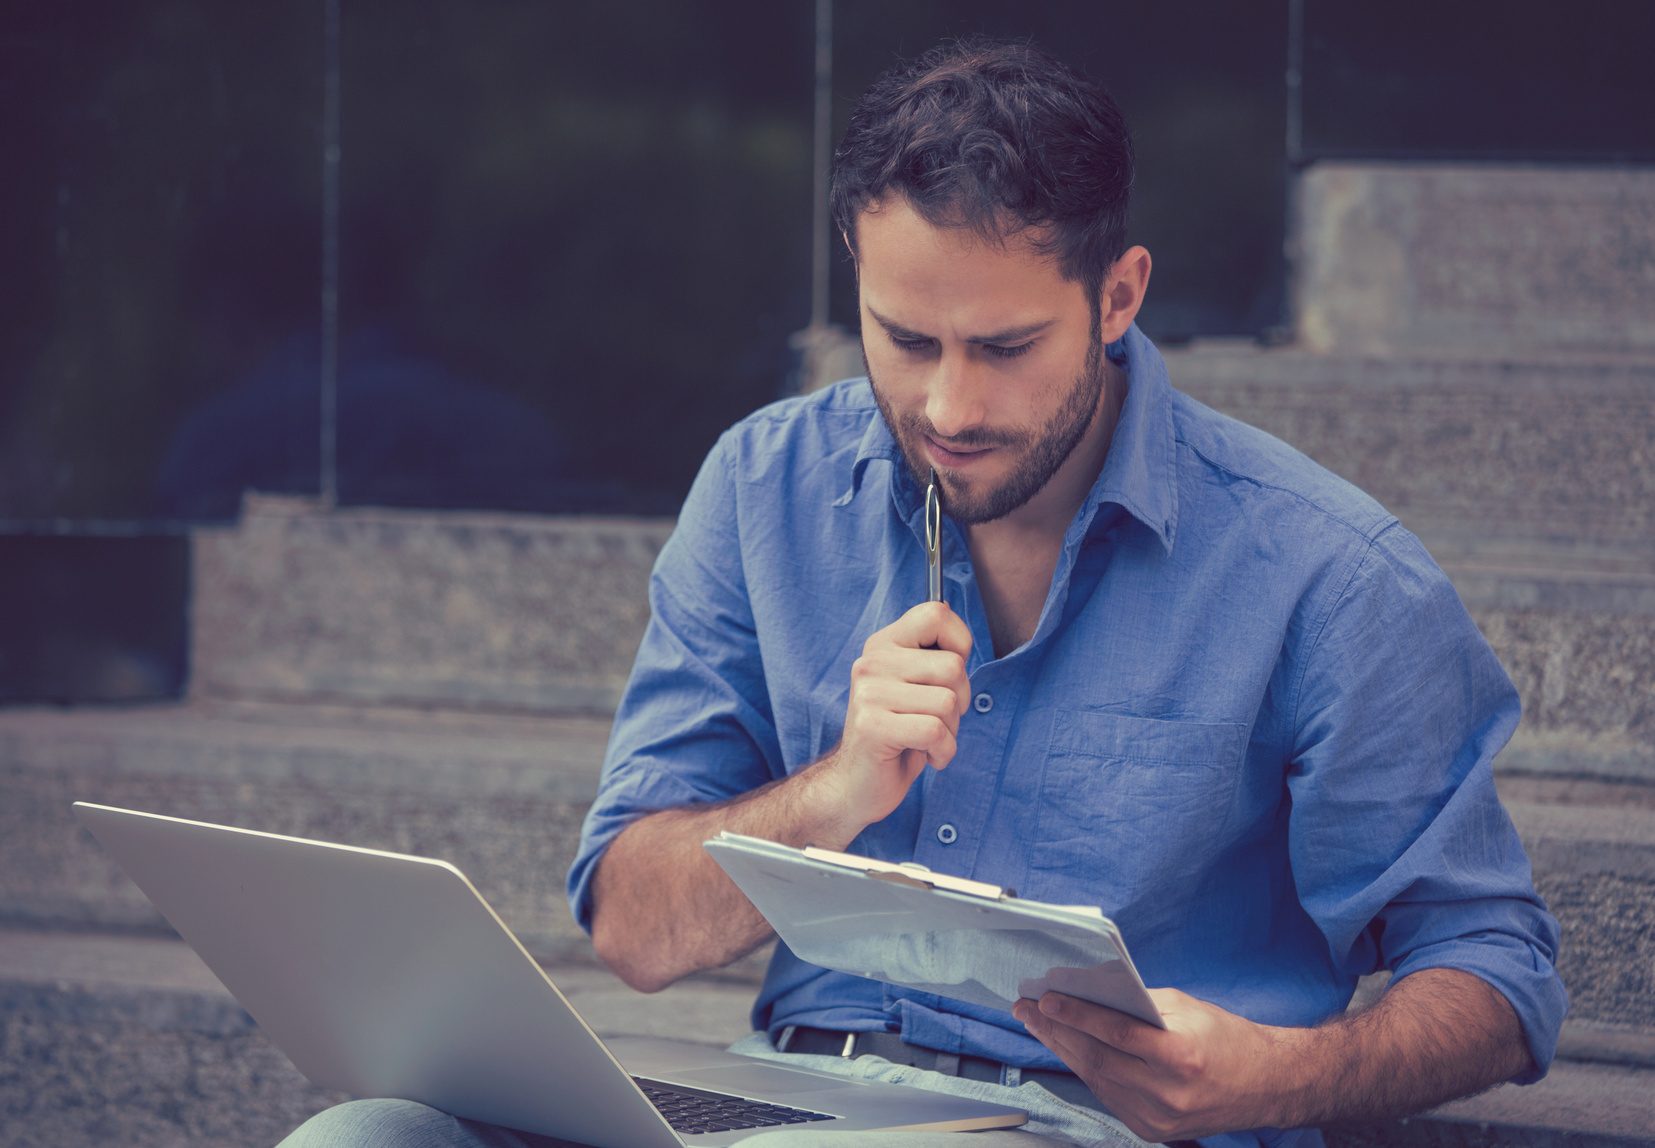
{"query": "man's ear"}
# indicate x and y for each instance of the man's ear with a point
(1123, 293)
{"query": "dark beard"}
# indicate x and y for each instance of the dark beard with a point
(1045, 451)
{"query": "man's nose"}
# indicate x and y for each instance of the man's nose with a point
(954, 402)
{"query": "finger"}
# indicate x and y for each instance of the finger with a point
(953, 634)
(1089, 1057)
(1046, 1026)
(1111, 1026)
(930, 624)
(920, 667)
(912, 764)
(906, 698)
(926, 733)
(884, 659)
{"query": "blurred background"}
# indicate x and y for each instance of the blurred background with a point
(534, 257)
(354, 358)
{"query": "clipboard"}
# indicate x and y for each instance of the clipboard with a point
(906, 925)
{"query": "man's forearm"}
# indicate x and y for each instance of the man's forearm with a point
(1433, 1036)
(662, 908)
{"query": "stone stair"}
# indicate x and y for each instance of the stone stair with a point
(499, 788)
(500, 796)
(440, 684)
(130, 1039)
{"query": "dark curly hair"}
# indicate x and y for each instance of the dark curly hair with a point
(998, 137)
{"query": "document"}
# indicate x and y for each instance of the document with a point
(905, 925)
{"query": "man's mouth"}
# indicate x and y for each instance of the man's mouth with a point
(954, 456)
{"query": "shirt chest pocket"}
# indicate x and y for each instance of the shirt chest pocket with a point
(1131, 806)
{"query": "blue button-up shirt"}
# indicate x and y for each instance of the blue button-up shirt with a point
(1254, 723)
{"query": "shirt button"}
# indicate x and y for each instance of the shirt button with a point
(982, 703)
(947, 834)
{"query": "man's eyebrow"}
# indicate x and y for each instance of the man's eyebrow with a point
(1009, 335)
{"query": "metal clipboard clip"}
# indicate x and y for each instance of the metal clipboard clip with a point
(912, 874)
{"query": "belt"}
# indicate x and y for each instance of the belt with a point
(891, 1046)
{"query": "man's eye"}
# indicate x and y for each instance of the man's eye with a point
(1000, 352)
(913, 345)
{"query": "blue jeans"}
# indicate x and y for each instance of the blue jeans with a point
(406, 1124)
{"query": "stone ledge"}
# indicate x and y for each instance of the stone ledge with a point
(386, 607)
(132, 1039)
(1472, 453)
(1574, 625)
(504, 801)
(93, 971)
(1574, 1099)
(435, 750)
(1576, 1106)
(1620, 841)
(1525, 258)
(83, 977)
(503, 798)
(1491, 576)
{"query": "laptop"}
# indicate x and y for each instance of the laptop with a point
(385, 975)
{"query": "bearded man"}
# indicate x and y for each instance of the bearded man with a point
(1180, 672)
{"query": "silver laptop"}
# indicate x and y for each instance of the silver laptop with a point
(385, 975)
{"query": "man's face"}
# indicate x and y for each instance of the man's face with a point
(984, 360)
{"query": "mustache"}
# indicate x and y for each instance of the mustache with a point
(917, 425)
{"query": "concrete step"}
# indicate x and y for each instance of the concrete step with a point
(131, 1040)
(1577, 636)
(503, 798)
(420, 608)
(128, 1039)
(1578, 1105)
(500, 796)
(1544, 452)
(518, 614)
(1595, 866)
(1528, 259)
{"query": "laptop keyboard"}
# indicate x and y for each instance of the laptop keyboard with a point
(690, 1110)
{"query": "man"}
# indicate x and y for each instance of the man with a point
(1181, 673)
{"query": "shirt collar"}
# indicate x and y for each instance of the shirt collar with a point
(1138, 475)
(877, 443)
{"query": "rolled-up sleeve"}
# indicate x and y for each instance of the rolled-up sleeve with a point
(1401, 851)
(694, 724)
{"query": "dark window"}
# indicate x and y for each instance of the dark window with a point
(1480, 80)
(160, 239)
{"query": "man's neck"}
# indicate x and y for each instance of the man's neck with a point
(1015, 557)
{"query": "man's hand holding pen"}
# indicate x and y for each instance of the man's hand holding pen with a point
(908, 691)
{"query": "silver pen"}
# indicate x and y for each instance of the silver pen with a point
(933, 539)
